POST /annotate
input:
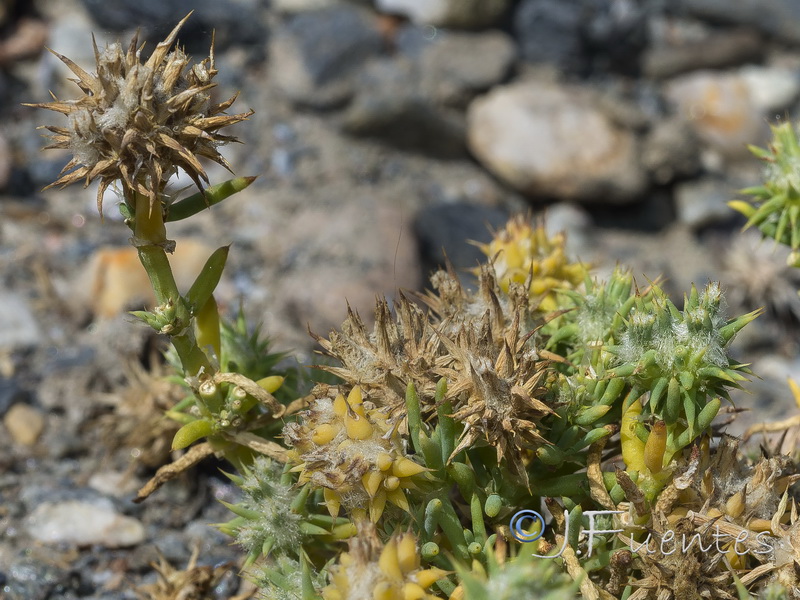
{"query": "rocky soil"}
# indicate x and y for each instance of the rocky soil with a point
(385, 135)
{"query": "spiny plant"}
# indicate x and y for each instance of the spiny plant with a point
(453, 417)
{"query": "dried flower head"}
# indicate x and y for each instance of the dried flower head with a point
(348, 448)
(137, 122)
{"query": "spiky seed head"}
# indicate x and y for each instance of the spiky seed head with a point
(137, 122)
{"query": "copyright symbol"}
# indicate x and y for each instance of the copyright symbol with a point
(517, 526)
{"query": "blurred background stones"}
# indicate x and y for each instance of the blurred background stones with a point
(387, 134)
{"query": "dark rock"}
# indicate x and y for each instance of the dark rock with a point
(614, 34)
(778, 18)
(315, 56)
(446, 229)
(31, 579)
(718, 51)
(456, 66)
(233, 23)
(549, 31)
(390, 108)
(10, 393)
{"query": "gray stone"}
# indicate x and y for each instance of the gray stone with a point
(670, 150)
(779, 18)
(717, 51)
(467, 14)
(456, 66)
(390, 108)
(703, 202)
(315, 56)
(549, 31)
(18, 326)
(551, 140)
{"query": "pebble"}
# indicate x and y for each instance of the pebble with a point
(114, 280)
(389, 108)
(703, 202)
(533, 136)
(671, 150)
(549, 31)
(778, 18)
(721, 109)
(11, 392)
(456, 66)
(467, 14)
(316, 54)
(83, 523)
(771, 88)
(717, 51)
(18, 326)
(298, 6)
(114, 483)
(25, 423)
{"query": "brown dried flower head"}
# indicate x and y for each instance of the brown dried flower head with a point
(137, 122)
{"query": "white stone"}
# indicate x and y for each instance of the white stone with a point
(550, 140)
(446, 13)
(83, 523)
(18, 326)
(771, 88)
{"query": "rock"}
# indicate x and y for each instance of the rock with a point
(390, 108)
(11, 392)
(84, 523)
(347, 255)
(671, 150)
(18, 326)
(549, 31)
(114, 483)
(115, 281)
(32, 579)
(703, 202)
(456, 66)
(26, 40)
(575, 223)
(316, 54)
(778, 18)
(717, 51)
(615, 32)
(25, 423)
(298, 6)
(235, 23)
(466, 14)
(551, 140)
(446, 230)
(771, 88)
(721, 109)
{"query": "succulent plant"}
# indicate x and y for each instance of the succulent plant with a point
(523, 254)
(371, 570)
(349, 449)
(775, 205)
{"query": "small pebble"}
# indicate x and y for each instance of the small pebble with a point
(25, 423)
(83, 523)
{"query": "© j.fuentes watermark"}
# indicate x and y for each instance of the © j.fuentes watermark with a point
(667, 545)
